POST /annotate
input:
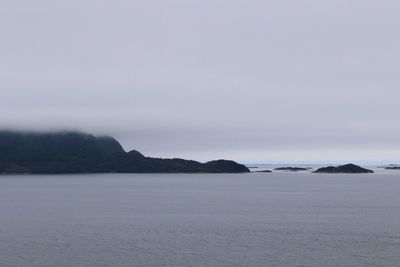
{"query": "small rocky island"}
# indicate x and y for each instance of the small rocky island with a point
(291, 169)
(264, 171)
(74, 152)
(348, 168)
(392, 168)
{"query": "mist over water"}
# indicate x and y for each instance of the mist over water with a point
(276, 81)
(275, 219)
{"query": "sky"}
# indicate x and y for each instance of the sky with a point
(272, 81)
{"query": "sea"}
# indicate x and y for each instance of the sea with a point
(201, 220)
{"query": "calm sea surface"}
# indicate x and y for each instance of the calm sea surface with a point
(278, 219)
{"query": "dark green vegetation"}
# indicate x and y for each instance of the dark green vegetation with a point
(71, 152)
(348, 168)
(291, 169)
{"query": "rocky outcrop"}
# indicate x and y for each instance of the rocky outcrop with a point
(348, 168)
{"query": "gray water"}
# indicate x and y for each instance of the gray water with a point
(278, 219)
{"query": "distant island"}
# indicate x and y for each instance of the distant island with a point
(291, 169)
(265, 171)
(348, 168)
(74, 152)
(393, 168)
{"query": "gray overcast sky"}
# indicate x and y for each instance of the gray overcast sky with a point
(254, 81)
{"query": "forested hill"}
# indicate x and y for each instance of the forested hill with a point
(74, 152)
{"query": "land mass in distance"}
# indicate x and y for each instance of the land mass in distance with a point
(74, 152)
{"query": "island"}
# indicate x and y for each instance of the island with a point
(392, 168)
(348, 168)
(76, 152)
(291, 169)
